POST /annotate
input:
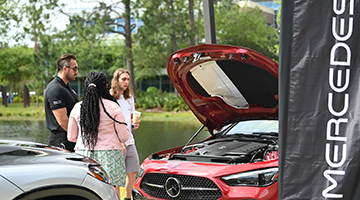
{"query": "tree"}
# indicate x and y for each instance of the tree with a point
(85, 42)
(38, 24)
(16, 65)
(167, 28)
(108, 16)
(245, 27)
(279, 14)
(9, 20)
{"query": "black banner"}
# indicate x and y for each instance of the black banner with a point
(320, 100)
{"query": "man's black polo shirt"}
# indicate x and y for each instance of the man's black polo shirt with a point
(58, 95)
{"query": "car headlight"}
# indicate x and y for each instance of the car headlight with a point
(263, 177)
(99, 173)
(141, 171)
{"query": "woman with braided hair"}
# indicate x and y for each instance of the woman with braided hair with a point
(97, 125)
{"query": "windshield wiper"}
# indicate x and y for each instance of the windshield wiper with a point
(255, 135)
(266, 133)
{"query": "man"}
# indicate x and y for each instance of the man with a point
(59, 99)
(122, 92)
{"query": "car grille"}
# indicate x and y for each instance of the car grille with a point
(171, 186)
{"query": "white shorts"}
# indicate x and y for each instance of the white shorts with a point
(131, 156)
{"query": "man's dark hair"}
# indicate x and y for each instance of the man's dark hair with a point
(64, 60)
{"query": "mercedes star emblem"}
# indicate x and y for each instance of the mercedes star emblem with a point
(172, 186)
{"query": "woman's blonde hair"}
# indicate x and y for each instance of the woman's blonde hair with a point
(115, 84)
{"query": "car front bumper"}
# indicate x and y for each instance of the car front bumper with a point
(227, 192)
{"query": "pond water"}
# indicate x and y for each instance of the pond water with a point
(150, 137)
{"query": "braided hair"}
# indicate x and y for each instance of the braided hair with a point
(95, 89)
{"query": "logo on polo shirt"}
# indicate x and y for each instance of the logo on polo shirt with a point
(57, 102)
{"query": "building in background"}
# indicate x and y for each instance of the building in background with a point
(270, 9)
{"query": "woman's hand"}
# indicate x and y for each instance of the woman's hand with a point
(123, 147)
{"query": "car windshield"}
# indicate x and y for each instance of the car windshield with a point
(255, 126)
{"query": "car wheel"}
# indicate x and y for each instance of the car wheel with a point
(60, 193)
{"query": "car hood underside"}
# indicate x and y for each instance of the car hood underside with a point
(222, 83)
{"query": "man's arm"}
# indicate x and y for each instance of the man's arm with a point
(61, 117)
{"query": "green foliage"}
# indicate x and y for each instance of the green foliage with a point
(115, 53)
(153, 90)
(173, 103)
(166, 29)
(16, 64)
(18, 99)
(33, 99)
(86, 45)
(9, 19)
(155, 98)
(91, 52)
(278, 18)
(38, 25)
(245, 27)
(152, 98)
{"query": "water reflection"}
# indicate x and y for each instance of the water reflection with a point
(152, 136)
(34, 131)
(156, 136)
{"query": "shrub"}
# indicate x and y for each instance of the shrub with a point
(17, 99)
(155, 98)
(33, 99)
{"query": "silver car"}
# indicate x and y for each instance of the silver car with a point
(31, 170)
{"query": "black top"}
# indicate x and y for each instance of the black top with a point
(58, 95)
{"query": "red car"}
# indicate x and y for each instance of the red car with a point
(233, 91)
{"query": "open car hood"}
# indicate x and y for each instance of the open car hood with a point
(222, 83)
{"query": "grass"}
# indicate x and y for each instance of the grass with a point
(186, 116)
(16, 111)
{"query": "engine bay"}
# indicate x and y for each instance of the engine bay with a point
(234, 149)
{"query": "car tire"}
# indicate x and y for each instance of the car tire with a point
(60, 193)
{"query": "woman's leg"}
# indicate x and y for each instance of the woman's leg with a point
(117, 188)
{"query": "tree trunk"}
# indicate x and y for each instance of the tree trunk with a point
(128, 44)
(26, 97)
(173, 34)
(192, 20)
(36, 58)
(4, 96)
